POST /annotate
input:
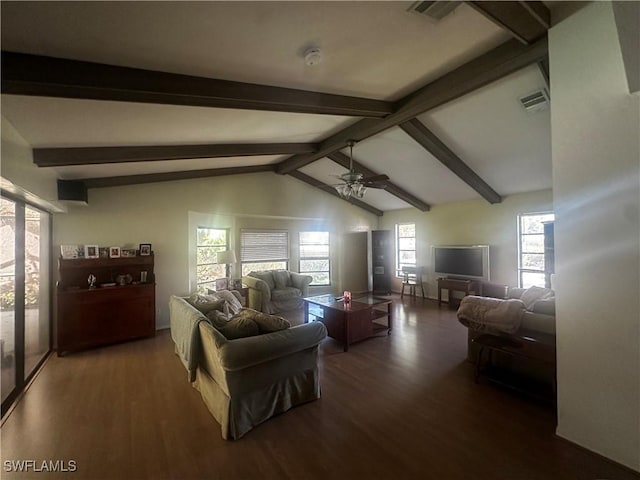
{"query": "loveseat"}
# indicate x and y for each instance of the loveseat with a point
(531, 312)
(245, 381)
(273, 291)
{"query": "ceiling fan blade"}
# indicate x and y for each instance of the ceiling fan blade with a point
(375, 179)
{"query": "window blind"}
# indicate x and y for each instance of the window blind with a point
(264, 245)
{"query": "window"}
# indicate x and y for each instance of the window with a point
(531, 248)
(314, 256)
(209, 242)
(405, 246)
(264, 250)
(25, 296)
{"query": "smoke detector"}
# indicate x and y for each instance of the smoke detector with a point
(312, 56)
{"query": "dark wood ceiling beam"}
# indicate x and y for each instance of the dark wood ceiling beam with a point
(343, 160)
(421, 134)
(104, 182)
(24, 74)
(543, 66)
(57, 157)
(503, 60)
(526, 21)
(538, 11)
(332, 191)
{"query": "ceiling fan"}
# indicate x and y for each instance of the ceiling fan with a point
(355, 184)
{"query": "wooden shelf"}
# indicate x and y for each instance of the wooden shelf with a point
(81, 263)
(91, 317)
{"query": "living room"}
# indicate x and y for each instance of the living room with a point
(595, 202)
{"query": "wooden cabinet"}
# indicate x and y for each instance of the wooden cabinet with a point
(381, 260)
(90, 317)
(467, 287)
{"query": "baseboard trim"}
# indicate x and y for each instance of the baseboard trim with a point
(595, 454)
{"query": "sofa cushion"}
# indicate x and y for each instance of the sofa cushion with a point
(544, 306)
(266, 276)
(206, 303)
(233, 304)
(266, 323)
(218, 319)
(239, 327)
(285, 293)
(282, 279)
(533, 294)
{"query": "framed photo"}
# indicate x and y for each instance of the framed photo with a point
(103, 252)
(114, 252)
(69, 251)
(128, 252)
(145, 249)
(222, 284)
(237, 284)
(91, 251)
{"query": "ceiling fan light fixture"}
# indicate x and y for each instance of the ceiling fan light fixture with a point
(354, 183)
(358, 190)
(344, 191)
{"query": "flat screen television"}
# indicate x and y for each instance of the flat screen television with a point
(462, 261)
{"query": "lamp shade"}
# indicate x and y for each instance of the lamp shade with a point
(226, 257)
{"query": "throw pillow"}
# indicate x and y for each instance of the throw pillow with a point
(282, 278)
(206, 303)
(532, 294)
(218, 319)
(239, 327)
(266, 323)
(232, 302)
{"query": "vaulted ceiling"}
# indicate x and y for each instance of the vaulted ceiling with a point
(121, 93)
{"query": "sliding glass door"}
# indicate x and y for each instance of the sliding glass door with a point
(37, 265)
(7, 296)
(25, 294)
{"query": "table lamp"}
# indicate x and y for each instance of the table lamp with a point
(226, 257)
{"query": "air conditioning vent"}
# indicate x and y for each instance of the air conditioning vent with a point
(437, 10)
(535, 101)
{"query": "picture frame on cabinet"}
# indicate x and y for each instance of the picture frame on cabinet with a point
(69, 251)
(127, 252)
(222, 283)
(114, 252)
(145, 249)
(91, 251)
(103, 252)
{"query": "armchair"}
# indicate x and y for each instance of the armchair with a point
(273, 291)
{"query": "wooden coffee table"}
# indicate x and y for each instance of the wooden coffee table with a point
(350, 323)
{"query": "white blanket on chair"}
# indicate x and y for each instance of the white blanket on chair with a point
(491, 314)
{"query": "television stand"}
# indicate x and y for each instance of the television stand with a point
(468, 287)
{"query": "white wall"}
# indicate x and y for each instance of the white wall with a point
(596, 183)
(165, 215)
(474, 222)
(32, 183)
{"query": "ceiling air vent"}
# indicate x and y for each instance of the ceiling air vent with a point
(535, 101)
(437, 10)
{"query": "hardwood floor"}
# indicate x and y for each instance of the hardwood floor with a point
(395, 407)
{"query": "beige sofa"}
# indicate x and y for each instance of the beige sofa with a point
(537, 316)
(273, 291)
(245, 381)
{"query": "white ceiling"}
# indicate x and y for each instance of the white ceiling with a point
(370, 49)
